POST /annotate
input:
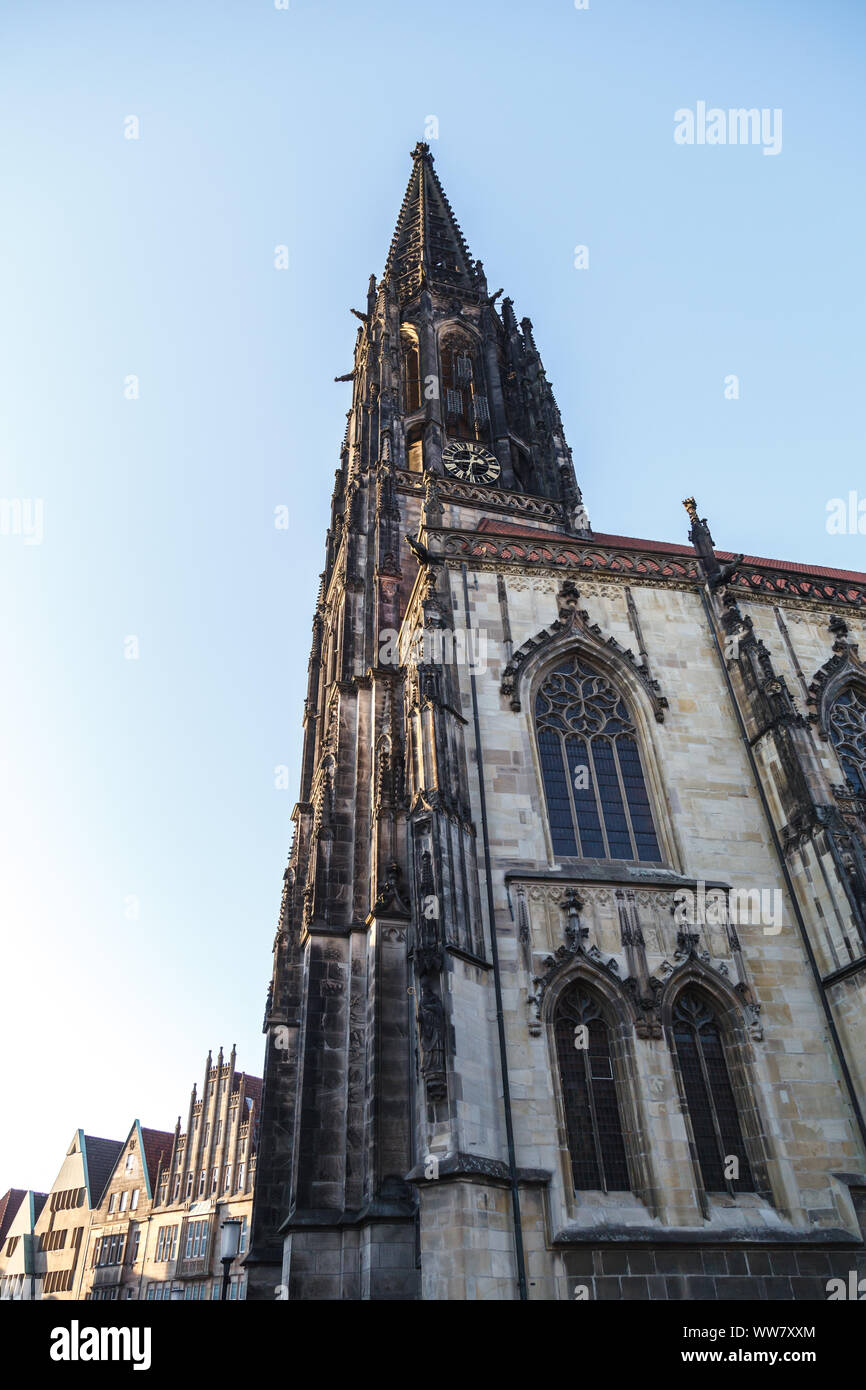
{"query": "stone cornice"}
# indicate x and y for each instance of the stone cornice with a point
(581, 556)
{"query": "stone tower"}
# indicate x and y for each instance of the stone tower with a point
(568, 984)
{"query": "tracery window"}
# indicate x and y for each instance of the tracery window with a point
(593, 1123)
(597, 801)
(709, 1095)
(847, 726)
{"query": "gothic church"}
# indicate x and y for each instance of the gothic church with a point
(569, 978)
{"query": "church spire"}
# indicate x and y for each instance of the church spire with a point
(428, 248)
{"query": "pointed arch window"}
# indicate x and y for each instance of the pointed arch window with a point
(411, 371)
(597, 802)
(709, 1095)
(847, 727)
(592, 1115)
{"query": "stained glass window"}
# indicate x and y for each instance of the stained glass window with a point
(597, 801)
(847, 724)
(710, 1096)
(595, 1141)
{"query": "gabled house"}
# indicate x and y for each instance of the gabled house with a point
(113, 1264)
(18, 1213)
(61, 1226)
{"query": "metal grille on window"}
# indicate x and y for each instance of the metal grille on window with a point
(454, 402)
(710, 1096)
(462, 367)
(480, 412)
(593, 1123)
(847, 725)
(597, 801)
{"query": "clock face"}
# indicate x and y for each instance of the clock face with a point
(470, 462)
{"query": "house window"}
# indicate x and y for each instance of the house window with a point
(597, 803)
(189, 1182)
(242, 1244)
(176, 1190)
(710, 1096)
(202, 1179)
(124, 1200)
(112, 1202)
(240, 1182)
(166, 1245)
(847, 728)
(130, 1161)
(133, 1201)
(592, 1117)
(136, 1244)
(196, 1240)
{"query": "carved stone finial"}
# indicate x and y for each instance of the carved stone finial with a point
(432, 509)
(389, 899)
(571, 905)
(687, 942)
(567, 599)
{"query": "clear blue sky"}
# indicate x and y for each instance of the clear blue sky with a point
(153, 779)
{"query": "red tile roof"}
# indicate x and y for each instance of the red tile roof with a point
(155, 1142)
(100, 1156)
(514, 528)
(252, 1086)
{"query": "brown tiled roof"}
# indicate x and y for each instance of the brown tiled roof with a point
(252, 1086)
(100, 1156)
(252, 1091)
(154, 1143)
(514, 528)
(9, 1204)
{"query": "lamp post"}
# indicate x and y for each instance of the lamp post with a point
(230, 1241)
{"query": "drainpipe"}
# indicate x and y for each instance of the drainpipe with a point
(780, 854)
(497, 982)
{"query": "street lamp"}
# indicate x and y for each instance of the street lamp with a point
(230, 1244)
